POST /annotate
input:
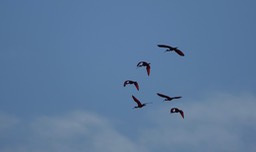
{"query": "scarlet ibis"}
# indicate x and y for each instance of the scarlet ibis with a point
(139, 104)
(146, 64)
(176, 110)
(170, 48)
(132, 82)
(167, 98)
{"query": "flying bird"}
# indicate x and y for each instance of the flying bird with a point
(167, 98)
(132, 82)
(176, 110)
(146, 64)
(170, 48)
(139, 104)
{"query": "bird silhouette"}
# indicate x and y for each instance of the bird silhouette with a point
(146, 64)
(176, 110)
(170, 48)
(139, 104)
(167, 98)
(132, 82)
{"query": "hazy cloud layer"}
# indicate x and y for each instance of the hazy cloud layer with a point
(76, 132)
(218, 123)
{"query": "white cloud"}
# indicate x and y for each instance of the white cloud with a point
(77, 132)
(218, 123)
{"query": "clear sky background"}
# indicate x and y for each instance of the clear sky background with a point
(63, 64)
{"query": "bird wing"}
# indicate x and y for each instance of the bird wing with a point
(148, 69)
(179, 52)
(181, 113)
(164, 46)
(139, 64)
(125, 82)
(137, 101)
(136, 85)
(162, 95)
(176, 97)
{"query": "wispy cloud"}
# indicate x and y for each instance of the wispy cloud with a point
(77, 131)
(217, 123)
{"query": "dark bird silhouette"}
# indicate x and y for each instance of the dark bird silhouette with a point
(167, 98)
(170, 48)
(176, 110)
(132, 82)
(146, 64)
(139, 104)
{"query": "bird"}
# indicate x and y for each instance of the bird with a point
(170, 48)
(176, 110)
(139, 104)
(167, 98)
(132, 82)
(146, 64)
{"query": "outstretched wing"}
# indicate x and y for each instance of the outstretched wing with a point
(176, 110)
(164, 46)
(126, 82)
(181, 113)
(137, 101)
(179, 52)
(148, 69)
(136, 85)
(162, 95)
(176, 97)
(140, 64)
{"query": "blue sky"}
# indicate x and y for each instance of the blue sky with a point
(63, 64)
